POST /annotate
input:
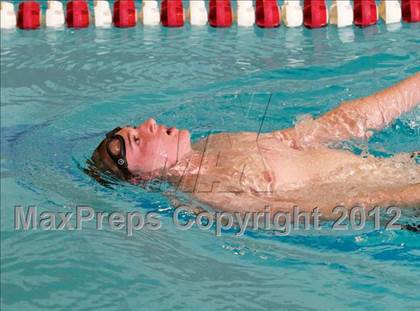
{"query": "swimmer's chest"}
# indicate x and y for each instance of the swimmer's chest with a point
(262, 163)
(248, 162)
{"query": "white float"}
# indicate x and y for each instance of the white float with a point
(102, 13)
(390, 11)
(245, 13)
(198, 13)
(341, 13)
(54, 17)
(292, 13)
(150, 13)
(7, 15)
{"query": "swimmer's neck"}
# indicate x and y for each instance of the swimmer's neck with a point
(189, 164)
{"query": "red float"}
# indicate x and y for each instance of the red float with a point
(267, 14)
(172, 13)
(410, 11)
(29, 15)
(220, 13)
(124, 13)
(365, 13)
(314, 13)
(77, 15)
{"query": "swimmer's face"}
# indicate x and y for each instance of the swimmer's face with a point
(150, 146)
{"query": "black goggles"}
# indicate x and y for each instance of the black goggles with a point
(116, 150)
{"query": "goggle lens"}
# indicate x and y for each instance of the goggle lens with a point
(114, 147)
(116, 150)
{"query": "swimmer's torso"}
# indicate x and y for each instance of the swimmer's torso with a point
(264, 163)
(232, 167)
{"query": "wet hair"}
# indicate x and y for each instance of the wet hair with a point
(102, 167)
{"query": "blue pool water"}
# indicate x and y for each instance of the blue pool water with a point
(62, 90)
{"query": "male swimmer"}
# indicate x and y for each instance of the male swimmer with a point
(250, 172)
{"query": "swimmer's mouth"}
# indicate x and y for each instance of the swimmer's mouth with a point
(170, 130)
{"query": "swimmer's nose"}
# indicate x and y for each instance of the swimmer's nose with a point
(151, 125)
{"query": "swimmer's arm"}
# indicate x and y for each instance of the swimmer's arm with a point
(356, 118)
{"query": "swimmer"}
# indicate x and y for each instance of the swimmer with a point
(250, 172)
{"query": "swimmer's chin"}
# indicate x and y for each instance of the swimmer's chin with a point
(184, 144)
(185, 133)
(185, 136)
